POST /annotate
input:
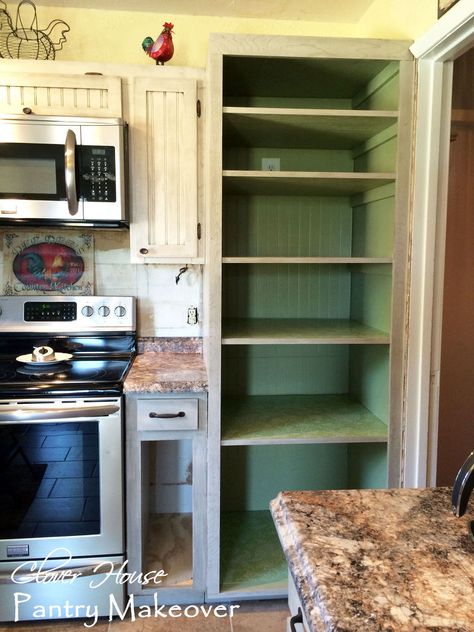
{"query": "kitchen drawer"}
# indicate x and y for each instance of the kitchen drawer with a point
(167, 414)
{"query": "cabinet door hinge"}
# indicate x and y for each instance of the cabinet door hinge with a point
(198, 108)
(199, 230)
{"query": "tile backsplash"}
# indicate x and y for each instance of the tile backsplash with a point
(162, 304)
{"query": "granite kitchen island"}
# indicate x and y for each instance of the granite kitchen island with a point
(373, 560)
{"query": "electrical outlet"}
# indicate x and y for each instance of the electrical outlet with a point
(270, 164)
(192, 315)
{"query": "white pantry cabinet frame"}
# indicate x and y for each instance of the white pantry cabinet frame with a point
(221, 45)
(449, 38)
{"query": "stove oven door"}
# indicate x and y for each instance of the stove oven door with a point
(61, 482)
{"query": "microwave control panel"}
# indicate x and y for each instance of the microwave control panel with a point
(98, 174)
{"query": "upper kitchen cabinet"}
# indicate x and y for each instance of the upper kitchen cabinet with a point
(167, 170)
(308, 208)
(60, 94)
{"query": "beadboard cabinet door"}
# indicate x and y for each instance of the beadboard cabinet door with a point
(60, 94)
(163, 139)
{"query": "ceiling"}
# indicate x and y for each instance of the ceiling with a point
(311, 10)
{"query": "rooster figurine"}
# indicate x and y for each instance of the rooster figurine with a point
(162, 49)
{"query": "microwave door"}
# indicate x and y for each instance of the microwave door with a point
(37, 171)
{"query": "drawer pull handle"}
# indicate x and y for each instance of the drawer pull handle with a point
(167, 415)
(297, 618)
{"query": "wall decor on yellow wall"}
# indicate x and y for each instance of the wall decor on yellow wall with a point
(445, 5)
(24, 40)
(47, 263)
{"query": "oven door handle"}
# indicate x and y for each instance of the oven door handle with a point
(83, 571)
(39, 415)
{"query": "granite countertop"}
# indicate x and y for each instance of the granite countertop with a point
(166, 372)
(373, 560)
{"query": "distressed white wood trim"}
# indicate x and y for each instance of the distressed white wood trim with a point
(422, 270)
(438, 280)
(246, 44)
(450, 37)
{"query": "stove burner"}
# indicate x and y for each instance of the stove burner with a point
(44, 371)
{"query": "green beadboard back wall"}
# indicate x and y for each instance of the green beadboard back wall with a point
(251, 480)
(255, 225)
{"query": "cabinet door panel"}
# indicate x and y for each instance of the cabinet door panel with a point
(164, 182)
(68, 95)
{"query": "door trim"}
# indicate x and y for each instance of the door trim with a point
(449, 38)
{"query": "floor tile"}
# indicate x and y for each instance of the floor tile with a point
(75, 487)
(60, 529)
(71, 469)
(30, 440)
(264, 616)
(83, 453)
(91, 509)
(68, 440)
(53, 626)
(46, 455)
(55, 510)
(45, 488)
(170, 624)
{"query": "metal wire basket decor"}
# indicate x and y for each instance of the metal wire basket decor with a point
(24, 40)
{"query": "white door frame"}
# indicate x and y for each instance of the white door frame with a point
(451, 36)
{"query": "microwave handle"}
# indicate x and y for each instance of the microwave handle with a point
(70, 171)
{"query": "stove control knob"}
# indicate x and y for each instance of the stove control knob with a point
(120, 311)
(104, 311)
(87, 310)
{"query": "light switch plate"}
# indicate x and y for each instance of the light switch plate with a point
(270, 164)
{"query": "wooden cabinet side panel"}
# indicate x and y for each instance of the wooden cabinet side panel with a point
(400, 298)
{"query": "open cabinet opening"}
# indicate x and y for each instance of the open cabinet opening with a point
(312, 177)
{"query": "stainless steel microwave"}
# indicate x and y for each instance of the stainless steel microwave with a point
(63, 171)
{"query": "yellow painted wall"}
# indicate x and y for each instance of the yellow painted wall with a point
(116, 36)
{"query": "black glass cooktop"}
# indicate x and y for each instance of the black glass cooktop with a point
(98, 365)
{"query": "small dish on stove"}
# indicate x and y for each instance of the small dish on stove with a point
(28, 358)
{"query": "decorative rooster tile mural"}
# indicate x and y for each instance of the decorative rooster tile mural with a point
(44, 262)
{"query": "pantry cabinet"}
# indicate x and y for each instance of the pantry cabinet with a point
(309, 202)
(166, 491)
